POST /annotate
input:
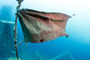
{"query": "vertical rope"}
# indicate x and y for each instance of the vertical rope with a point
(15, 30)
(15, 36)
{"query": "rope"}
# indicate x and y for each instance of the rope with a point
(19, 43)
(15, 32)
(15, 36)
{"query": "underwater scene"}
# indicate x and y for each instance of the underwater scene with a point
(44, 30)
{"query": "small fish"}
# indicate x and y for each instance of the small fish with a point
(73, 14)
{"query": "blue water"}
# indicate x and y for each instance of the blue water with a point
(77, 47)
